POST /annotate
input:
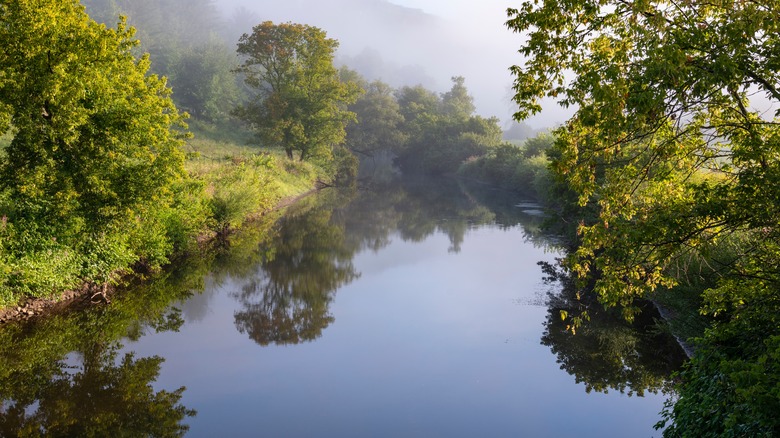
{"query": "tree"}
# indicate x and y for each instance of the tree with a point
(183, 39)
(300, 104)
(379, 119)
(442, 130)
(203, 81)
(94, 149)
(666, 144)
(457, 102)
(166, 28)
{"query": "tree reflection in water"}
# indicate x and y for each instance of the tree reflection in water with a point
(608, 353)
(98, 397)
(286, 300)
(64, 375)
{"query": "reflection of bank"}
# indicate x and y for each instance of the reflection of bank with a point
(607, 352)
(285, 299)
(94, 395)
(64, 375)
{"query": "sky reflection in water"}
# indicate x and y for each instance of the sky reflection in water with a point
(437, 333)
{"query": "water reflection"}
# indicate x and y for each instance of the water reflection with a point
(76, 374)
(64, 376)
(286, 301)
(608, 353)
(96, 396)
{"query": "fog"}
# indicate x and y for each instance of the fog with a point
(410, 42)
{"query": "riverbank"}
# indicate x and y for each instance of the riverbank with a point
(88, 295)
(226, 185)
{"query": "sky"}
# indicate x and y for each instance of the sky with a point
(460, 10)
(428, 43)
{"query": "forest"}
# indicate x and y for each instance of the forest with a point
(136, 132)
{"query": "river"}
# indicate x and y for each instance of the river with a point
(414, 309)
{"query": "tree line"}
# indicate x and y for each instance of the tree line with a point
(94, 105)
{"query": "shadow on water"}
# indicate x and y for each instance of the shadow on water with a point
(63, 375)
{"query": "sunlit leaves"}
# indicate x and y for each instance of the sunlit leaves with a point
(663, 109)
(300, 100)
(671, 145)
(93, 146)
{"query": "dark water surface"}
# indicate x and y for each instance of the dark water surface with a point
(403, 311)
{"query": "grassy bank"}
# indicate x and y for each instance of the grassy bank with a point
(227, 182)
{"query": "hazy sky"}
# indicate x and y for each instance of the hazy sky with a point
(493, 47)
(461, 10)
(449, 38)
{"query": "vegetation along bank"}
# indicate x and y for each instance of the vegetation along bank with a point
(665, 179)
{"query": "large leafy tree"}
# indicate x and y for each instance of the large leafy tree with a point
(93, 149)
(300, 102)
(670, 143)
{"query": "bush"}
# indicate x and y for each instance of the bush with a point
(240, 190)
(521, 168)
(345, 167)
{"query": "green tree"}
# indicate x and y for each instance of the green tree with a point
(442, 130)
(379, 120)
(203, 82)
(665, 143)
(417, 105)
(300, 101)
(94, 148)
(458, 103)
(184, 40)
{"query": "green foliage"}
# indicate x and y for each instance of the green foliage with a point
(667, 151)
(93, 154)
(346, 167)
(240, 190)
(75, 155)
(607, 353)
(300, 100)
(38, 272)
(166, 28)
(523, 168)
(442, 131)
(203, 81)
(94, 183)
(732, 385)
(458, 103)
(183, 39)
(5, 140)
(187, 215)
(378, 124)
(95, 392)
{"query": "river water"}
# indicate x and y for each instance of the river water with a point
(406, 310)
